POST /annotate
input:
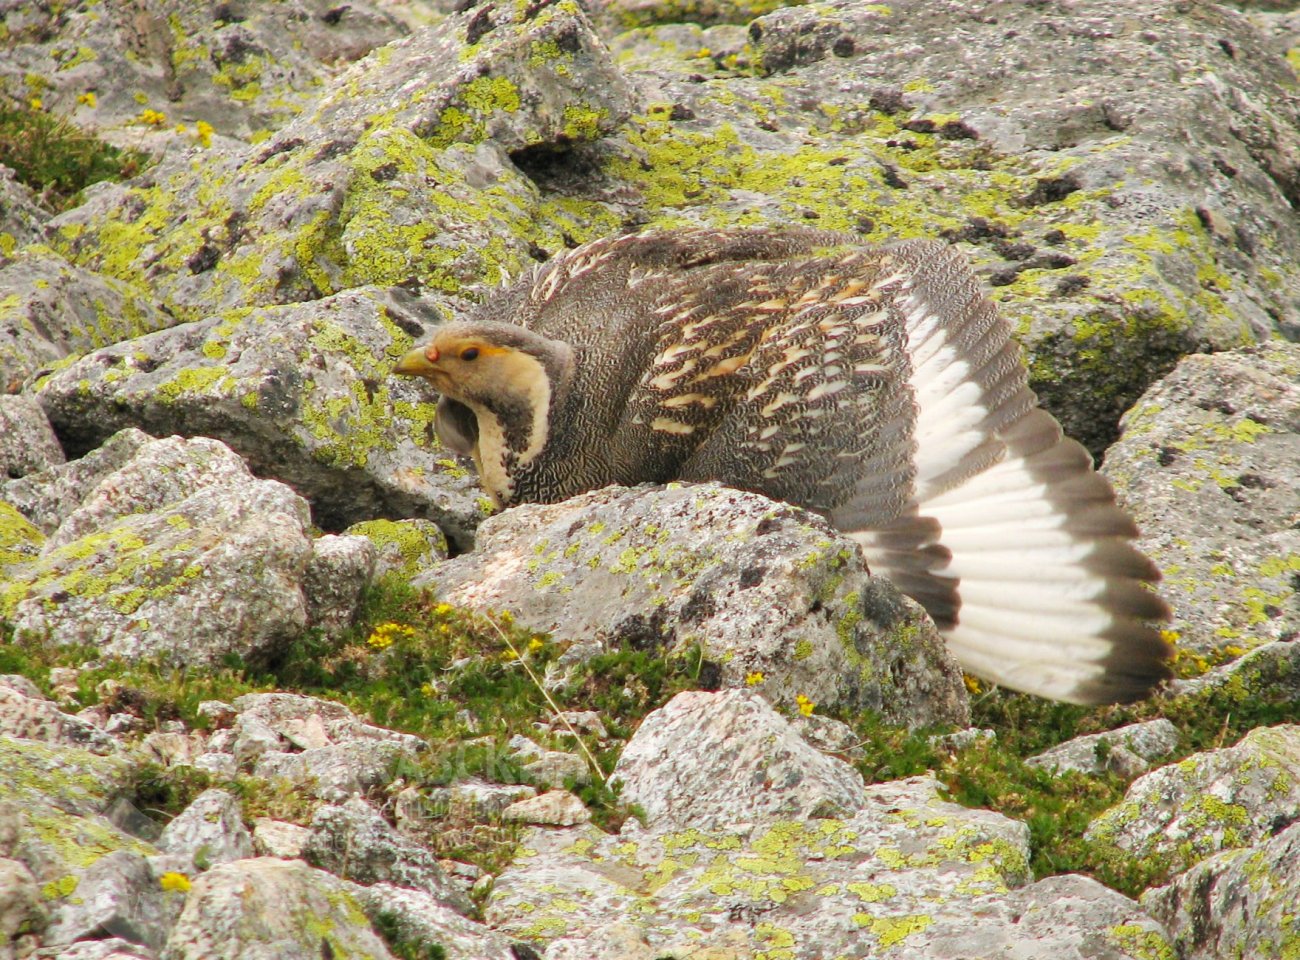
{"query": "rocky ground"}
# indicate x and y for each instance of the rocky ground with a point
(274, 685)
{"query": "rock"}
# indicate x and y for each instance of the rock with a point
(301, 392)
(48, 498)
(415, 918)
(580, 721)
(549, 768)
(118, 894)
(1266, 675)
(774, 597)
(241, 68)
(1126, 751)
(1207, 465)
(353, 841)
(899, 871)
(745, 764)
(316, 744)
(111, 948)
(29, 715)
(21, 213)
(52, 309)
(179, 553)
(20, 540)
(403, 547)
(209, 831)
(555, 808)
(470, 799)
(65, 819)
(1239, 903)
(276, 838)
(1233, 797)
(720, 866)
(339, 570)
(340, 196)
(27, 443)
(268, 909)
(22, 913)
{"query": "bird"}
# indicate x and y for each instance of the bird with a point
(875, 385)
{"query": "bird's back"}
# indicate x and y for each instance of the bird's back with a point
(877, 386)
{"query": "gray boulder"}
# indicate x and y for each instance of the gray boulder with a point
(1207, 465)
(268, 909)
(53, 309)
(1178, 815)
(748, 865)
(353, 841)
(27, 442)
(400, 171)
(1126, 751)
(208, 832)
(180, 553)
(302, 392)
(1240, 903)
(746, 763)
(770, 593)
(241, 67)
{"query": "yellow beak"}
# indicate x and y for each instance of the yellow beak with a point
(414, 364)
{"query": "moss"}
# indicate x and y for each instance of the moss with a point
(20, 541)
(60, 889)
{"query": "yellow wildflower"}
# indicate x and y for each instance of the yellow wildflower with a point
(171, 880)
(535, 644)
(203, 130)
(384, 635)
(972, 684)
(36, 103)
(754, 678)
(88, 98)
(805, 705)
(152, 118)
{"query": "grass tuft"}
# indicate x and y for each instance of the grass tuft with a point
(55, 158)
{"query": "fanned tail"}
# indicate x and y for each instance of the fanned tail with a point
(1013, 543)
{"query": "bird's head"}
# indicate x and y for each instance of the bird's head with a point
(498, 382)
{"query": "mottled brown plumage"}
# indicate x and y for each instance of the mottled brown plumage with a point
(876, 386)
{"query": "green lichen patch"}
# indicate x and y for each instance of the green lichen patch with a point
(20, 541)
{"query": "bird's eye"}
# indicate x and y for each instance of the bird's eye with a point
(469, 353)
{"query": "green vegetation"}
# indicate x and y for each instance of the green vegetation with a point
(467, 683)
(992, 773)
(55, 158)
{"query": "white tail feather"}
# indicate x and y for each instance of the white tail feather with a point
(1039, 590)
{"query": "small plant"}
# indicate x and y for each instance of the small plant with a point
(54, 157)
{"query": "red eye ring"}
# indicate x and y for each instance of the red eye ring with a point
(469, 353)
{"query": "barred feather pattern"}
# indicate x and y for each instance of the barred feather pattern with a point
(876, 386)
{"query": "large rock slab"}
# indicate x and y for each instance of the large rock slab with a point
(239, 67)
(268, 909)
(1178, 815)
(180, 553)
(302, 392)
(1240, 903)
(399, 173)
(899, 872)
(1207, 465)
(770, 593)
(51, 309)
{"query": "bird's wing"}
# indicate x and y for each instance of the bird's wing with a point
(1012, 541)
(788, 379)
